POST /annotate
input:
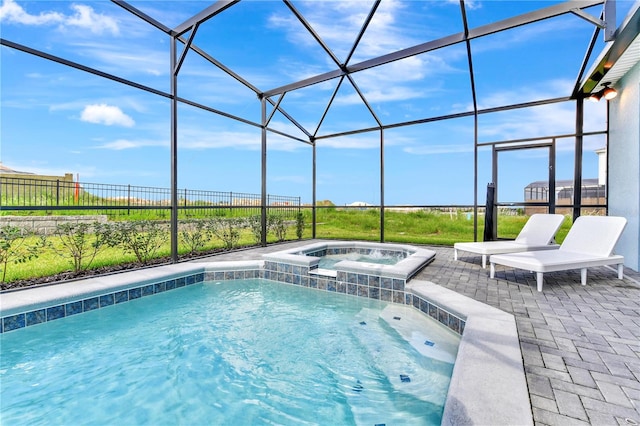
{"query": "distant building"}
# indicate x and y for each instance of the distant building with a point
(593, 190)
(14, 183)
(7, 172)
(359, 204)
(592, 193)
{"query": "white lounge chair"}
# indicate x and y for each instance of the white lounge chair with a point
(590, 242)
(537, 234)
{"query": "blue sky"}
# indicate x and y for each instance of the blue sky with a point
(58, 120)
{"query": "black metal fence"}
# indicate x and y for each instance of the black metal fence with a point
(26, 194)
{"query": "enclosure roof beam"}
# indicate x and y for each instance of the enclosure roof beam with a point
(304, 83)
(326, 110)
(450, 116)
(313, 32)
(465, 24)
(484, 30)
(365, 25)
(205, 14)
(189, 43)
(364, 100)
(71, 64)
(585, 62)
(123, 4)
(246, 83)
(59, 60)
(236, 118)
(528, 18)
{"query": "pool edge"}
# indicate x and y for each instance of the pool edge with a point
(488, 385)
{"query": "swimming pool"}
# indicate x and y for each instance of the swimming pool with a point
(488, 371)
(184, 357)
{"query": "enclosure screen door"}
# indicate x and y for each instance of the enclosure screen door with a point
(524, 177)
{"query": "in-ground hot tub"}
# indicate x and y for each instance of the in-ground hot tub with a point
(366, 277)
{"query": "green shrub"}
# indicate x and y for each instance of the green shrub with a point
(194, 234)
(278, 225)
(81, 242)
(227, 230)
(14, 247)
(299, 225)
(254, 223)
(143, 238)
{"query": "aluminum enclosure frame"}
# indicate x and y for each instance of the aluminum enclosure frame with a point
(343, 72)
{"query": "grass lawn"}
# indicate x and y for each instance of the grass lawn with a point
(430, 228)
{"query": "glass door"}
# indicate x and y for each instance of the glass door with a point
(524, 181)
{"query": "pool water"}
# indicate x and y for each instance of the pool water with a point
(234, 352)
(329, 261)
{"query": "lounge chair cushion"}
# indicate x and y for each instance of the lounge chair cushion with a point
(594, 235)
(590, 242)
(537, 234)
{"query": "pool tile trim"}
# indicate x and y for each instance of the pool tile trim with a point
(51, 304)
(387, 289)
(37, 316)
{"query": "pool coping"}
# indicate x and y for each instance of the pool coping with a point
(488, 384)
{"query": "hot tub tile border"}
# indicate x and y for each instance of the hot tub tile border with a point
(387, 289)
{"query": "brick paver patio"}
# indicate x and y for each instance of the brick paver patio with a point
(580, 345)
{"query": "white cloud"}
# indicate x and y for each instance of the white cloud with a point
(239, 140)
(363, 141)
(438, 149)
(121, 144)
(469, 4)
(382, 94)
(107, 115)
(198, 139)
(338, 22)
(136, 58)
(84, 17)
(11, 12)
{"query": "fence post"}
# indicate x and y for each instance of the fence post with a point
(57, 192)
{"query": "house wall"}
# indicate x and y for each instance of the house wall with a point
(624, 163)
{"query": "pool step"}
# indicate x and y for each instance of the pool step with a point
(431, 340)
(405, 372)
(324, 272)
